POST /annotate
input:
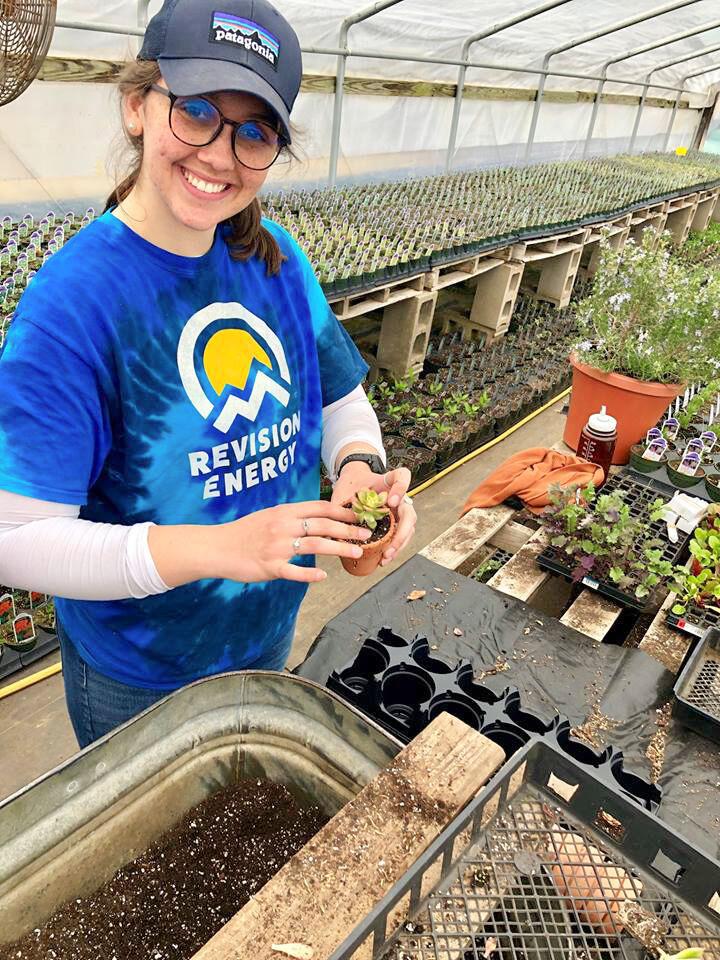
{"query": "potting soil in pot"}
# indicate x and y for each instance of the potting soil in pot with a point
(171, 900)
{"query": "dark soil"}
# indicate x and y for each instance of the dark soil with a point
(171, 900)
(383, 525)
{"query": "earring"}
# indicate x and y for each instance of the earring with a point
(132, 125)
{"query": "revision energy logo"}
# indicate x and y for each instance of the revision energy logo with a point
(232, 357)
(227, 28)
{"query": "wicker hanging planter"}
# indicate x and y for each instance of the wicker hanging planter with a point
(26, 28)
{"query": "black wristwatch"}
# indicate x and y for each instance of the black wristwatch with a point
(371, 459)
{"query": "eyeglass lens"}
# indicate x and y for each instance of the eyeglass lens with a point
(196, 121)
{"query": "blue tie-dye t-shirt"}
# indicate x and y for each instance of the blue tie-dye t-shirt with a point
(149, 386)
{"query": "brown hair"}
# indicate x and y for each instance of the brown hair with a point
(248, 237)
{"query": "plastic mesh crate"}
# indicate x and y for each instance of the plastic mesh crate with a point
(697, 691)
(537, 867)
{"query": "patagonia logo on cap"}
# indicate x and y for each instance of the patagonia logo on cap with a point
(227, 28)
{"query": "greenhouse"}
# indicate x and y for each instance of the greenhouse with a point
(429, 289)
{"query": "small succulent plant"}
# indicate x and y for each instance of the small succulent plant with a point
(369, 507)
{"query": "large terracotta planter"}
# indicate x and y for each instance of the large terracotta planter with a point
(637, 405)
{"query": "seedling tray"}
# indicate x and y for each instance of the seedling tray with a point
(401, 685)
(498, 882)
(695, 621)
(638, 492)
(697, 690)
(661, 475)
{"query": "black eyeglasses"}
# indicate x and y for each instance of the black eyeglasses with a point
(196, 121)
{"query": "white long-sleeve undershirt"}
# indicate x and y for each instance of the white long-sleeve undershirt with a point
(46, 547)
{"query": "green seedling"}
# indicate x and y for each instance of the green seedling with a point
(369, 507)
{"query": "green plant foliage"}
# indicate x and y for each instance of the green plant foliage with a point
(369, 507)
(701, 588)
(601, 539)
(651, 317)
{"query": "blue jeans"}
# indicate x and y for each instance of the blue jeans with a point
(97, 703)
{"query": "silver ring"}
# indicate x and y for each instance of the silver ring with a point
(306, 527)
(296, 544)
(407, 499)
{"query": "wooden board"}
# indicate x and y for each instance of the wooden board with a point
(592, 615)
(521, 577)
(319, 897)
(466, 536)
(663, 643)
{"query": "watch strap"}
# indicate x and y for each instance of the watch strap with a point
(371, 459)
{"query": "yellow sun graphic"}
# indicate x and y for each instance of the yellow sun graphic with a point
(228, 357)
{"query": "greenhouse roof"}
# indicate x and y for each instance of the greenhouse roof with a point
(439, 30)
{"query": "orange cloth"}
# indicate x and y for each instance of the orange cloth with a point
(529, 475)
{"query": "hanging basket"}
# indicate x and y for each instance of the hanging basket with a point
(26, 28)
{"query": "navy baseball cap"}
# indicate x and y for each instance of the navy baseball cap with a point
(204, 46)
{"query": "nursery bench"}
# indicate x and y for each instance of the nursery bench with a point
(482, 532)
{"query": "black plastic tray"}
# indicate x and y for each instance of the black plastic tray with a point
(661, 475)
(403, 686)
(639, 491)
(495, 872)
(697, 691)
(695, 621)
(11, 660)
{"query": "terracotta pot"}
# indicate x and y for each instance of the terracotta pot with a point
(637, 405)
(372, 552)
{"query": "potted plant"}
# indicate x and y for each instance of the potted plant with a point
(650, 324)
(370, 511)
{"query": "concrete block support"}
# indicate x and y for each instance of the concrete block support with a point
(705, 212)
(494, 302)
(404, 334)
(679, 222)
(557, 277)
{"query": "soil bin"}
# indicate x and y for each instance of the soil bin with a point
(174, 897)
(64, 836)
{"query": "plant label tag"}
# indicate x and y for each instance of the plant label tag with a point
(689, 464)
(23, 628)
(655, 449)
(589, 582)
(7, 608)
(654, 433)
(709, 439)
(695, 446)
(37, 599)
(671, 428)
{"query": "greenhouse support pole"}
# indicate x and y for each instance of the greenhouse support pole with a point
(689, 76)
(587, 38)
(673, 114)
(347, 23)
(646, 87)
(645, 48)
(465, 55)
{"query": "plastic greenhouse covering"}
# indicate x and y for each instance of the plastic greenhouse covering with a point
(59, 139)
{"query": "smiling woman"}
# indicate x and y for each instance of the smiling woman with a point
(179, 366)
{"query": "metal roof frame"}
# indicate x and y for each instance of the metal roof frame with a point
(688, 76)
(362, 15)
(344, 53)
(646, 87)
(587, 38)
(465, 55)
(645, 48)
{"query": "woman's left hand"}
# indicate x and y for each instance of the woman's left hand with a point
(396, 483)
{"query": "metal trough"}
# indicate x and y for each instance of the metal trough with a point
(67, 833)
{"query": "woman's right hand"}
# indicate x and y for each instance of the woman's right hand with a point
(259, 546)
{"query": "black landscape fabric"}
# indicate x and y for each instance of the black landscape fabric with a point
(555, 668)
